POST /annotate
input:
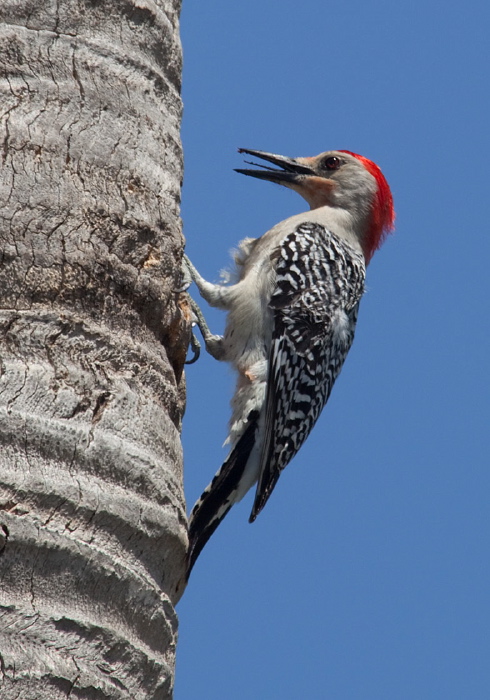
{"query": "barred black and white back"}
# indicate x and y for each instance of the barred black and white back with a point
(318, 283)
(315, 313)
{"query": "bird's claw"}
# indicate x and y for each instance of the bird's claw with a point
(196, 349)
(186, 277)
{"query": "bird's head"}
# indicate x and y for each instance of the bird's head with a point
(336, 179)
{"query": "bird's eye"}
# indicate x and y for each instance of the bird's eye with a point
(332, 163)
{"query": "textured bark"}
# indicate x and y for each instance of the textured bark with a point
(92, 517)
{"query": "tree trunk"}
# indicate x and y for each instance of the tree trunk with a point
(92, 342)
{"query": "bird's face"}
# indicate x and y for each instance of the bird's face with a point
(337, 179)
(332, 178)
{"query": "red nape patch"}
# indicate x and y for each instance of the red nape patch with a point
(383, 218)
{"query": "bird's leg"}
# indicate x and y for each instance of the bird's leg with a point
(194, 343)
(213, 343)
(216, 295)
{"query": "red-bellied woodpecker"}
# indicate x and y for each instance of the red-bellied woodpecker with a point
(291, 320)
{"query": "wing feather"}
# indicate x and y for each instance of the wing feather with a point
(319, 284)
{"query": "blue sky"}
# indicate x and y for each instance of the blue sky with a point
(367, 576)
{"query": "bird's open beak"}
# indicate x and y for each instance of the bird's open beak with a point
(292, 171)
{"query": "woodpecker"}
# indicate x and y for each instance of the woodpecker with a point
(291, 318)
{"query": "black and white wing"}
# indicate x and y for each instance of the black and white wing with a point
(320, 281)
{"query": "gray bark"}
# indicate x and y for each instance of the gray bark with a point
(92, 516)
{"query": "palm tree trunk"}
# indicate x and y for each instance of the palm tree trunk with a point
(92, 513)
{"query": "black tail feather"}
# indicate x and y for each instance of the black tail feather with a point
(204, 519)
(262, 495)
